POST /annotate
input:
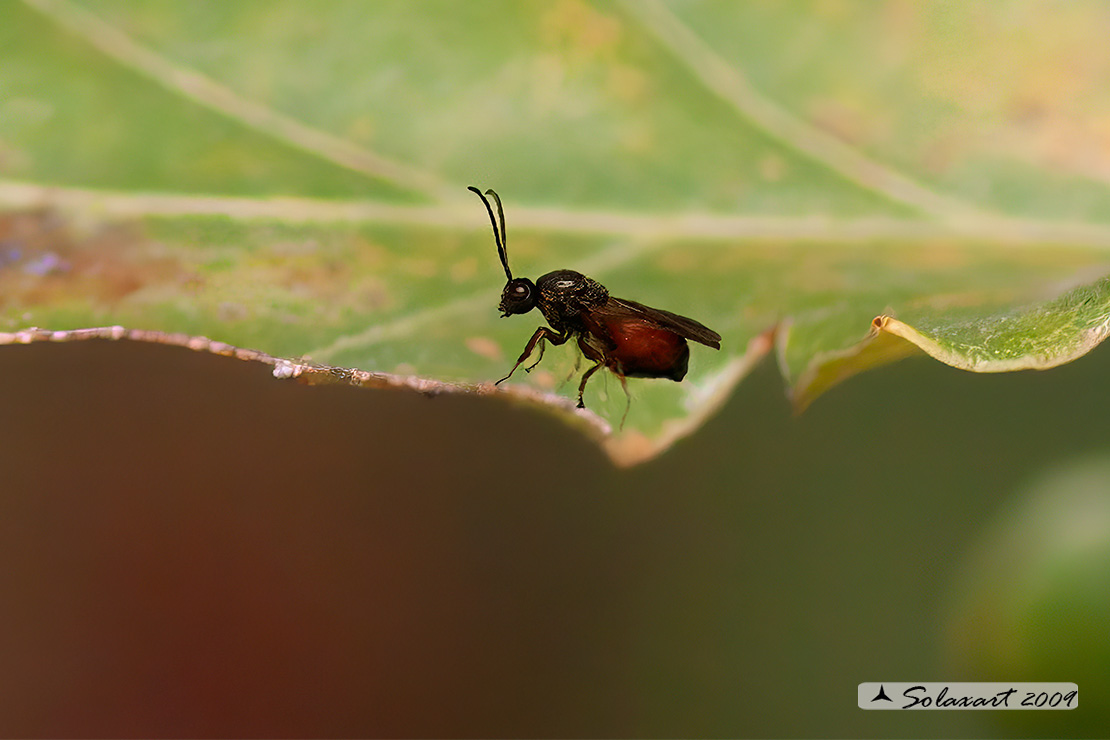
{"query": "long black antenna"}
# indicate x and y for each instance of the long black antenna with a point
(498, 236)
(501, 218)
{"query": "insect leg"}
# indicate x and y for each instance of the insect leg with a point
(574, 371)
(541, 334)
(585, 377)
(537, 362)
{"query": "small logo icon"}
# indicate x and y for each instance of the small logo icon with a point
(882, 695)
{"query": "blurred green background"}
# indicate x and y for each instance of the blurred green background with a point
(196, 549)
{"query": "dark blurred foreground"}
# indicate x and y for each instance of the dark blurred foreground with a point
(193, 548)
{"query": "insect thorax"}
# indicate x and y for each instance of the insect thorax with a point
(564, 294)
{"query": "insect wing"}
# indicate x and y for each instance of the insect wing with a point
(634, 347)
(684, 327)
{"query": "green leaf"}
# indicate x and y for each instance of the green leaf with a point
(291, 178)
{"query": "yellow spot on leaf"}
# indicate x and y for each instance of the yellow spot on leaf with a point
(484, 347)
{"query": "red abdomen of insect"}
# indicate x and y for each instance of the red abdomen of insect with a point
(644, 351)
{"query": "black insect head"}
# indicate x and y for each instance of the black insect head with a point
(520, 294)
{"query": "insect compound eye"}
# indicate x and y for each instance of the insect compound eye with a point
(519, 296)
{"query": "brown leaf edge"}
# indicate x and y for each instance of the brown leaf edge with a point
(827, 369)
(890, 340)
(625, 449)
